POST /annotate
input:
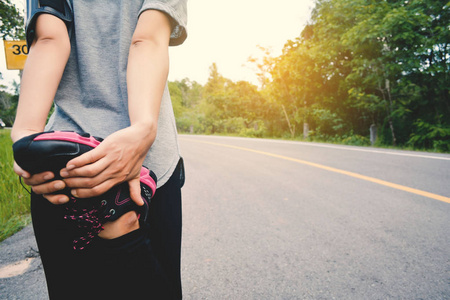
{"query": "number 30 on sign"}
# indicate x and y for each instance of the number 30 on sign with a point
(16, 54)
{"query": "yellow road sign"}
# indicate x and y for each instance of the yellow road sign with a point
(16, 54)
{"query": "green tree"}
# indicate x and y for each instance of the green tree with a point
(11, 22)
(186, 96)
(364, 62)
(8, 106)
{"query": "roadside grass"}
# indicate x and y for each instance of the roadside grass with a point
(14, 200)
(356, 140)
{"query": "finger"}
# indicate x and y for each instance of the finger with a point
(135, 191)
(40, 178)
(85, 159)
(21, 172)
(90, 170)
(49, 187)
(94, 191)
(57, 199)
(84, 182)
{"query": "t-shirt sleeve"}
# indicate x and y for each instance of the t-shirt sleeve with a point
(177, 11)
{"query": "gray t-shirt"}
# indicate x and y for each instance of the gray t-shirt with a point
(92, 95)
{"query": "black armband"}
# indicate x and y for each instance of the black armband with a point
(61, 9)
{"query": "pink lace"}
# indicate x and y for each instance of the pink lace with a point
(87, 220)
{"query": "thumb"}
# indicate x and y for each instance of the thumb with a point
(135, 191)
(21, 172)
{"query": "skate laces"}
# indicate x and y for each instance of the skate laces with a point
(87, 221)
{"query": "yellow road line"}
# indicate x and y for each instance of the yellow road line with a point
(331, 169)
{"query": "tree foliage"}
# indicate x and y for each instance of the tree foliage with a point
(11, 22)
(220, 106)
(8, 107)
(364, 62)
(357, 63)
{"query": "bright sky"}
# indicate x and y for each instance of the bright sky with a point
(227, 33)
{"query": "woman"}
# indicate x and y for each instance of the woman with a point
(105, 65)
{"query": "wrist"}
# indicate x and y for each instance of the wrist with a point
(146, 131)
(17, 133)
(147, 127)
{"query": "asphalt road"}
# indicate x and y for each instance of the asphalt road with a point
(264, 227)
(287, 220)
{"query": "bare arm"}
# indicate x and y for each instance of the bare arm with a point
(41, 76)
(148, 67)
(120, 156)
